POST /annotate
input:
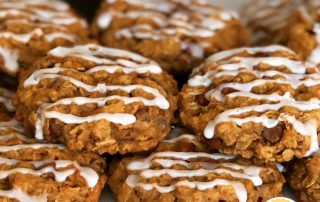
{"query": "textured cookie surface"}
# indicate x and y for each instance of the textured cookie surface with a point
(289, 22)
(176, 34)
(31, 28)
(39, 172)
(193, 176)
(303, 177)
(97, 99)
(255, 102)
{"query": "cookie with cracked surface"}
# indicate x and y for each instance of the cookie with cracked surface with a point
(29, 29)
(258, 102)
(303, 178)
(193, 176)
(176, 34)
(286, 22)
(99, 99)
(38, 171)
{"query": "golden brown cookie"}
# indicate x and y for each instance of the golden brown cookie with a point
(258, 102)
(176, 34)
(94, 98)
(193, 176)
(303, 177)
(37, 171)
(29, 29)
(289, 22)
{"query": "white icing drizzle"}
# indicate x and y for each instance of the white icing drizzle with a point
(230, 65)
(61, 169)
(146, 163)
(162, 6)
(168, 159)
(12, 124)
(264, 49)
(87, 173)
(29, 146)
(25, 38)
(15, 135)
(314, 55)
(20, 195)
(117, 118)
(305, 129)
(6, 98)
(171, 20)
(54, 4)
(271, 15)
(32, 13)
(10, 59)
(181, 137)
(51, 16)
(125, 61)
(95, 53)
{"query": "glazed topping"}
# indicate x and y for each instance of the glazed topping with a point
(108, 60)
(55, 12)
(6, 98)
(60, 169)
(180, 137)
(20, 195)
(181, 20)
(282, 70)
(10, 59)
(39, 19)
(273, 15)
(313, 58)
(13, 124)
(25, 38)
(122, 60)
(194, 165)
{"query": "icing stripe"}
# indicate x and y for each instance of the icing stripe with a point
(20, 195)
(142, 170)
(287, 72)
(238, 187)
(10, 59)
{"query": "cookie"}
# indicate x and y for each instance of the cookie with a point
(99, 99)
(37, 171)
(176, 34)
(29, 29)
(286, 22)
(193, 176)
(258, 102)
(303, 178)
(181, 140)
(7, 109)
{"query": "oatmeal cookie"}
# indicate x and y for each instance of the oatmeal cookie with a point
(176, 34)
(37, 171)
(258, 102)
(193, 176)
(181, 140)
(303, 177)
(99, 99)
(31, 28)
(289, 22)
(7, 109)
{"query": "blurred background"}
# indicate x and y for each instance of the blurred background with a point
(88, 7)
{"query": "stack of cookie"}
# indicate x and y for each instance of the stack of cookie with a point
(84, 115)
